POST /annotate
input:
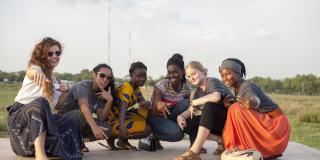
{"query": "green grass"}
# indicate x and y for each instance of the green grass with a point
(303, 113)
(7, 95)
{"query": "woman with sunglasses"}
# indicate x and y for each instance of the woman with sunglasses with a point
(91, 96)
(254, 121)
(33, 129)
(129, 115)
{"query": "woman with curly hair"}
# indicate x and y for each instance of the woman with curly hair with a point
(33, 129)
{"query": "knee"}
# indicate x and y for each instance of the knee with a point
(235, 110)
(175, 135)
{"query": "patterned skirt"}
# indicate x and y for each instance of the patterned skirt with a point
(27, 122)
(86, 129)
(135, 121)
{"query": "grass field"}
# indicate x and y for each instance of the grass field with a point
(303, 113)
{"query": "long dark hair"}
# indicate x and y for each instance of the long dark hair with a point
(136, 65)
(111, 84)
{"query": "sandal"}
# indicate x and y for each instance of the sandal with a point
(203, 150)
(273, 157)
(189, 155)
(109, 147)
(125, 146)
(158, 144)
(85, 149)
(219, 150)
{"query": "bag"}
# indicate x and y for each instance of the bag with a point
(148, 144)
(249, 154)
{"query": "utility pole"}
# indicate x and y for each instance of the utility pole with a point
(109, 32)
(129, 49)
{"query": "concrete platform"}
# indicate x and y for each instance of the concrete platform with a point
(295, 151)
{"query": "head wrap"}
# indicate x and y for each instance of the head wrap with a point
(229, 64)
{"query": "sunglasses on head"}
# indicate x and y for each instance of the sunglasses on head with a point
(57, 53)
(102, 75)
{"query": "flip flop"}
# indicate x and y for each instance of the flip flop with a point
(85, 149)
(126, 146)
(109, 147)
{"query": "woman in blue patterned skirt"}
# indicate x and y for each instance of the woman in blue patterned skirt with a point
(33, 129)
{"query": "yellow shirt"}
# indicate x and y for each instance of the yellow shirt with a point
(126, 93)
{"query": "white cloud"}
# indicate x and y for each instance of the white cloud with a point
(264, 34)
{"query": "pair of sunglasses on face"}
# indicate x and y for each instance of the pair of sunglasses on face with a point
(57, 53)
(102, 76)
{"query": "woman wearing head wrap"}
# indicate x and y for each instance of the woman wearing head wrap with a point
(255, 121)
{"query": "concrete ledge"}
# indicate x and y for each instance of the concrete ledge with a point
(295, 151)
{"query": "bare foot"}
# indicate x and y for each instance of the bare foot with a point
(42, 157)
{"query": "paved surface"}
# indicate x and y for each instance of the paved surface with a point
(295, 151)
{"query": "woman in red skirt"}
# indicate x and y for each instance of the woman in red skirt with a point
(254, 121)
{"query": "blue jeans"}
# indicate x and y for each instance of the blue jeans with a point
(167, 129)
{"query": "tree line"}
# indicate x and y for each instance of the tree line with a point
(300, 84)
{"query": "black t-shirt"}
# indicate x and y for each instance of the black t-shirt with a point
(212, 85)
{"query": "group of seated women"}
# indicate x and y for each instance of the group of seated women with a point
(50, 118)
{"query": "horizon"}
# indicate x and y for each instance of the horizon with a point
(276, 39)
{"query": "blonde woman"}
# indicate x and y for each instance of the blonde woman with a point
(208, 98)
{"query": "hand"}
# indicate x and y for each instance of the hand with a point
(63, 87)
(181, 122)
(99, 132)
(145, 105)
(193, 110)
(228, 100)
(163, 108)
(40, 79)
(106, 95)
(244, 102)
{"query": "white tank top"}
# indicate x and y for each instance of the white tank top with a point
(31, 91)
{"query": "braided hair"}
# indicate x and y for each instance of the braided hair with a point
(136, 65)
(243, 68)
(177, 59)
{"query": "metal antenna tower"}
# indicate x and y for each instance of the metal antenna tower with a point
(129, 49)
(109, 31)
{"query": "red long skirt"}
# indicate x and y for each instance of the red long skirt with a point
(249, 129)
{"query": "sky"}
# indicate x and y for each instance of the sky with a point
(274, 38)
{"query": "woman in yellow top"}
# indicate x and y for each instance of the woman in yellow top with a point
(128, 121)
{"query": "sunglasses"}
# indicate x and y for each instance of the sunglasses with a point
(57, 53)
(102, 75)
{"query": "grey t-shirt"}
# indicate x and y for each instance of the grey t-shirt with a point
(81, 89)
(213, 85)
(249, 89)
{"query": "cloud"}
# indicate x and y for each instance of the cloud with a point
(264, 34)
